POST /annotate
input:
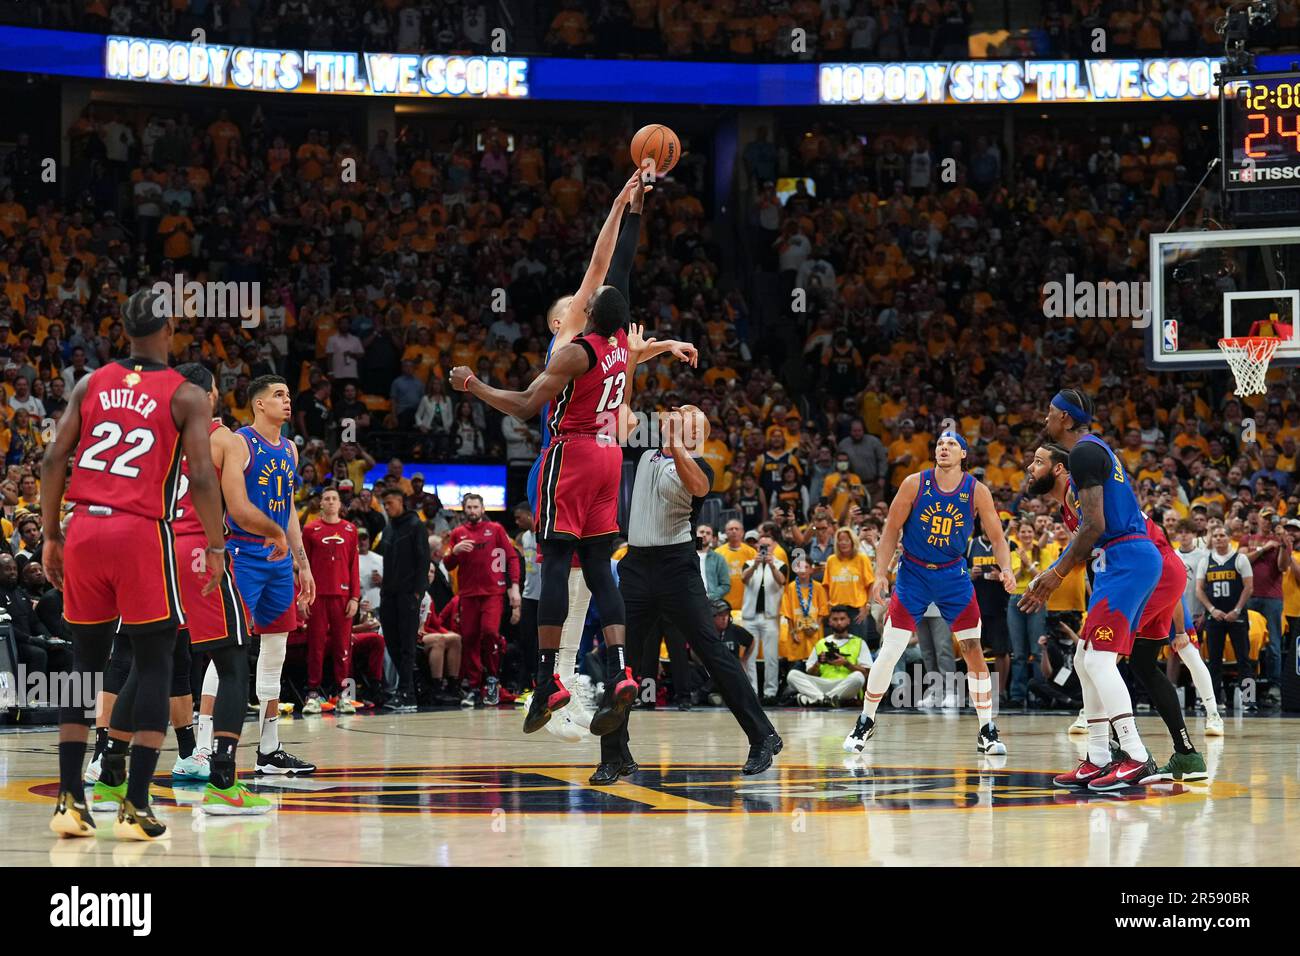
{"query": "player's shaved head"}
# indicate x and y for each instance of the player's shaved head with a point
(695, 427)
(609, 311)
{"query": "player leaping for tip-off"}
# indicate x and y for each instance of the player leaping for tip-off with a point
(933, 513)
(577, 506)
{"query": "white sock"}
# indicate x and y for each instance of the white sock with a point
(1103, 668)
(880, 677)
(270, 741)
(1190, 655)
(1098, 741)
(1093, 713)
(1129, 741)
(203, 735)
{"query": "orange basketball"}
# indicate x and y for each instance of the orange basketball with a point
(658, 143)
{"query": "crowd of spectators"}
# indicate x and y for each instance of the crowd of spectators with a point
(917, 305)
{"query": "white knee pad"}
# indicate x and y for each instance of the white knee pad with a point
(210, 680)
(892, 645)
(269, 665)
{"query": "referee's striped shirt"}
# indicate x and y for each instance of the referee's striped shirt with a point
(663, 511)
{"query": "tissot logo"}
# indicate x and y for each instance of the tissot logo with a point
(77, 909)
(1257, 174)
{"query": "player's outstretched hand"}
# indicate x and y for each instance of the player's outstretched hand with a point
(460, 377)
(634, 190)
(636, 340)
(687, 352)
(279, 546)
(52, 559)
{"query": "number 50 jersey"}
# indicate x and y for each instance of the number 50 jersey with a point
(128, 456)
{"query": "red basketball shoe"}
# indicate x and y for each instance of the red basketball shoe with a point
(1080, 776)
(1126, 772)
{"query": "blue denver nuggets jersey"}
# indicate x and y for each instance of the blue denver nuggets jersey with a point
(268, 478)
(1123, 514)
(937, 530)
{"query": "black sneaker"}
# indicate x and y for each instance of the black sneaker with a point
(761, 754)
(282, 763)
(620, 692)
(468, 697)
(448, 695)
(607, 773)
(863, 731)
(492, 692)
(400, 704)
(72, 817)
(988, 741)
(550, 696)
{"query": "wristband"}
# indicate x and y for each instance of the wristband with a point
(1057, 573)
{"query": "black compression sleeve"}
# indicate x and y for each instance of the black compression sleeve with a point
(1090, 466)
(619, 274)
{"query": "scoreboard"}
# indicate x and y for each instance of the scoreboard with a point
(1260, 129)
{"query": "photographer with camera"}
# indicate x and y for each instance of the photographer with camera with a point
(836, 670)
(764, 580)
(1056, 683)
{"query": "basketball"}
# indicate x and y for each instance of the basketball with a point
(659, 144)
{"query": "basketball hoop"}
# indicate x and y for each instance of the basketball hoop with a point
(1248, 358)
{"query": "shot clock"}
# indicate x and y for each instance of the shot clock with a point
(1260, 126)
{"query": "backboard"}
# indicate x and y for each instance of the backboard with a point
(1225, 283)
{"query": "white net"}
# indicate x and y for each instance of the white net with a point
(1248, 358)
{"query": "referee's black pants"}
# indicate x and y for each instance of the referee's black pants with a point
(663, 586)
(1217, 634)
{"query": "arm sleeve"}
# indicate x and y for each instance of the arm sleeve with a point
(1090, 466)
(620, 263)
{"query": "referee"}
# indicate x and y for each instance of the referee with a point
(659, 578)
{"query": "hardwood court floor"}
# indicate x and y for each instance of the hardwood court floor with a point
(457, 788)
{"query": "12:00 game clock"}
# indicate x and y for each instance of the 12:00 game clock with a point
(1260, 126)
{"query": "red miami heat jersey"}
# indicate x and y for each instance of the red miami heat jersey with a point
(187, 519)
(128, 455)
(587, 401)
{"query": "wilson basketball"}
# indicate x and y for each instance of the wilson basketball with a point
(658, 143)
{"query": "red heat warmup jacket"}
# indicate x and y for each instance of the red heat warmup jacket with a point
(491, 567)
(334, 559)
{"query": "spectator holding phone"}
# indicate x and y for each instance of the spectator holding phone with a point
(764, 580)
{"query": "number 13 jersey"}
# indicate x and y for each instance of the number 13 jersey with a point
(588, 404)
